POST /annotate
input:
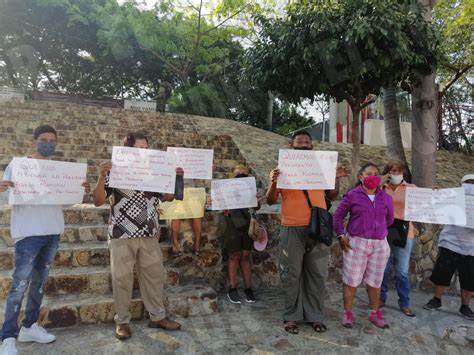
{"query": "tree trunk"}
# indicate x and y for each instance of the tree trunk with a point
(355, 160)
(425, 125)
(424, 132)
(270, 111)
(393, 135)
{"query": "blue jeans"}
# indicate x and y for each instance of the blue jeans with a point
(33, 258)
(400, 258)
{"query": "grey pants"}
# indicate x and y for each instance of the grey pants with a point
(303, 275)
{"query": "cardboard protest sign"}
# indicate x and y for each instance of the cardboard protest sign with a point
(306, 169)
(46, 182)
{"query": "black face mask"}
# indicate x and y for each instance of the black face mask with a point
(302, 148)
(241, 175)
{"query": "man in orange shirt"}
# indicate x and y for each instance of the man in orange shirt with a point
(303, 264)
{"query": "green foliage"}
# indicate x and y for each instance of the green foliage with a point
(288, 119)
(455, 20)
(344, 49)
(202, 100)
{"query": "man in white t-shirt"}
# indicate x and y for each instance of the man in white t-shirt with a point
(456, 253)
(35, 230)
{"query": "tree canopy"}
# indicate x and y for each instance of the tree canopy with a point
(344, 50)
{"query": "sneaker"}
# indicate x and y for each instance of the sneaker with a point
(35, 333)
(376, 319)
(466, 312)
(433, 305)
(249, 296)
(347, 319)
(233, 296)
(8, 347)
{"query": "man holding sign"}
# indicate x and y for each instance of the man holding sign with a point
(456, 253)
(304, 265)
(35, 229)
(133, 240)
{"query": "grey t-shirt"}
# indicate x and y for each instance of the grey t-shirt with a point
(458, 239)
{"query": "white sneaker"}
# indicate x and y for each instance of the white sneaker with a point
(36, 333)
(8, 347)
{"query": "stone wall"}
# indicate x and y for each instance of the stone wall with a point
(86, 134)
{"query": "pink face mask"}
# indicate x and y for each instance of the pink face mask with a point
(371, 182)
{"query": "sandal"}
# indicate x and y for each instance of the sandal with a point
(197, 252)
(291, 327)
(319, 327)
(176, 253)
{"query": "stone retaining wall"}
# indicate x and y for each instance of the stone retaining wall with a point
(87, 133)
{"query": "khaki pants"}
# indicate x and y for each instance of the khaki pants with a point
(303, 275)
(145, 252)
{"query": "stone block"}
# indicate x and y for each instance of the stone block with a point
(5, 287)
(63, 258)
(6, 260)
(66, 284)
(71, 216)
(85, 234)
(89, 314)
(172, 277)
(65, 316)
(5, 215)
(81, 257)
(100, 233)
(99, 282)
(209, 258)
(99, 257)
(70, 235)
(7, 237)
(94, 216)
(196, 298)
(137, 309)
(106, 312)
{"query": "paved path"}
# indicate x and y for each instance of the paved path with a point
(257, 329)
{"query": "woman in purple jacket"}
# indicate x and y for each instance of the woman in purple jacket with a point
(364, 243)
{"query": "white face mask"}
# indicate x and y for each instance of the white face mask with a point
(396, 179)
(468, 189)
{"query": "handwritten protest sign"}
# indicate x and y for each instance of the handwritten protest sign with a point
(228, 194)
(444, 206)
(469, 212)
(196, 163)
(306, 169)
(46, 182)
(142, 169)
(191, 207)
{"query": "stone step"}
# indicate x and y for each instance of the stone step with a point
(81, 255)
(92, 280)
(77, 234)
(76, 214)
(73, 234)
(194, 299)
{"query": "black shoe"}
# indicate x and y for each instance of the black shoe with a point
(233, 296)
(466, 312)
(433, 305)
(249, 296)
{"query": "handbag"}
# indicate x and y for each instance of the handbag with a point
(254, 228)
(398, 233)
(320, 227)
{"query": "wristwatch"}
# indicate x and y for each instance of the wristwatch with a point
(340, 236)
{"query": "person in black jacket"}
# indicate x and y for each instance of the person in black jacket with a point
(239, 245)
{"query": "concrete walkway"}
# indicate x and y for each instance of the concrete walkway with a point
(257, 329)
